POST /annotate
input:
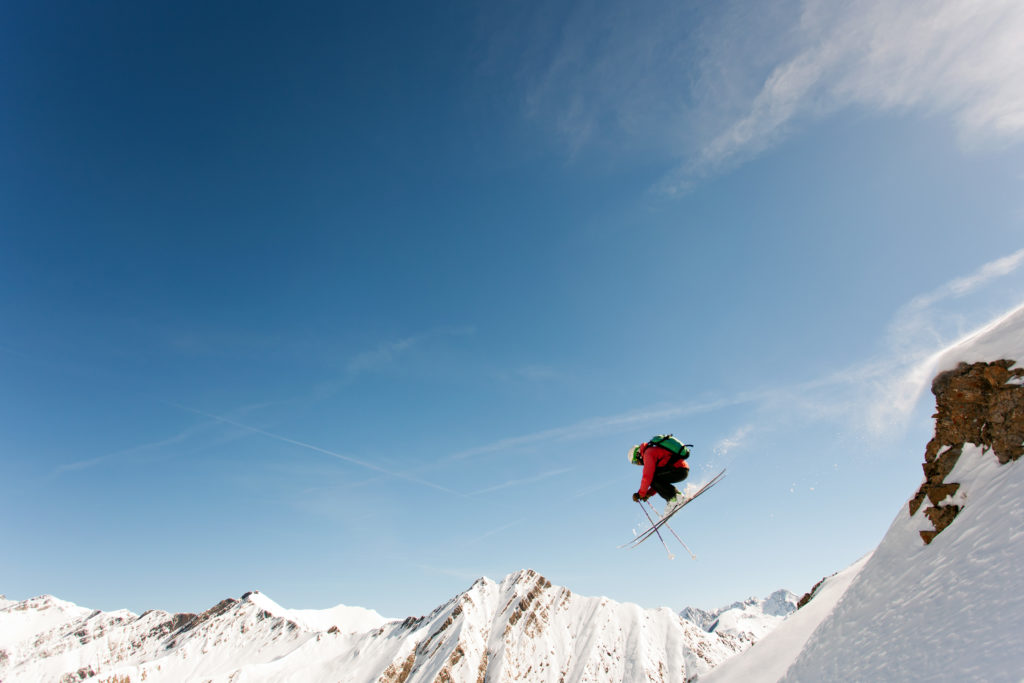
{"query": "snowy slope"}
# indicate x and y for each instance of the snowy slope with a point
(952, 610)
(520, 629)
(769, 659)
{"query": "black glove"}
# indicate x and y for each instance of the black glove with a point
(636, 497)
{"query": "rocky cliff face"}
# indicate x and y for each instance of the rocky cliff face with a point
(978, 403)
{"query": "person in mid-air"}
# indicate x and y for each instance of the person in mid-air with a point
(664, 462)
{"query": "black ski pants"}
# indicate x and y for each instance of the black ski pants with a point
(665, 478)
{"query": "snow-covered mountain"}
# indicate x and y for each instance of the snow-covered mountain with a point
(751, 619)
(522, 628)
(942, 597)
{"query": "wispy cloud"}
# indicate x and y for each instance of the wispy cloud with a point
(178, 438)
(714, 85)
(916, 319)
(903, 389)
(919, 333)
(523, 375)
(386, 353)
(955, 57)
(598, 425)
(519, 482)
(877, 395)
(493, 532)
(872, 397)
(596, 487)
(340, 456)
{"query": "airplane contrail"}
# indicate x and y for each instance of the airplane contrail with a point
(339, 456)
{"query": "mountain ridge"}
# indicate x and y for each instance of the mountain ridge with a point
(755, 617)
(520, 627)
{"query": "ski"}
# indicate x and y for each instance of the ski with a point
(657, 525)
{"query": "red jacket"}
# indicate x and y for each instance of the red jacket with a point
(655, 458)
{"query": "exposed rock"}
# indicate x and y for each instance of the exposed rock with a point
(397, 673)
(481, 672)
(979, 404)
(809, 595)
(181, 620)
(212, 613)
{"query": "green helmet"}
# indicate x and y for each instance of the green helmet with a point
(634, 456)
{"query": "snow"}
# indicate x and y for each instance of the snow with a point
(1001, 339)
(520, 629)
(20, 621)
(951, 610)
(770, 657)
(347, 619)
(751, 619)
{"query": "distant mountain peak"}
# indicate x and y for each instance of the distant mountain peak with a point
(522, 627)
(750, 619)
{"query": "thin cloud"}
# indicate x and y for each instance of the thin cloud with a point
(879, 395)
(915, 329)
(386, 353)
(909, 386)
(133, 450)
(536, 373)
(874, 397)
(494, 532)
(597, 487)
(324, 451)
(953, 57)
(708, 87)
(917, 336)
(519, 482)
(598, 425)
(962, 286)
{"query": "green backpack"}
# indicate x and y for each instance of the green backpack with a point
(673, 445)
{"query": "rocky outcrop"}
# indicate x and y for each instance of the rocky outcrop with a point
(809, 595)
(979, 403)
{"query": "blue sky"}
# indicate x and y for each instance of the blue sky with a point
(354, 305)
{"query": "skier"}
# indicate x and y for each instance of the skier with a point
(662, 469)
